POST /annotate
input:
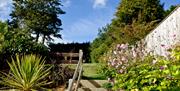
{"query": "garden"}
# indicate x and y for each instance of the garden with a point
(30, 59)
(127, 69)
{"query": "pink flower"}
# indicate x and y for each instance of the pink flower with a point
(120, 71)
(113, 64)
(162, 68)
(124, 46)
(174, 35)
(162, 45)
(118, 45)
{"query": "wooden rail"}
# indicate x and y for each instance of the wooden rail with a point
(79, 69)
(68, 57)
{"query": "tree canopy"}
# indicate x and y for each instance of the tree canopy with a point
(38, 17)
(30, 21)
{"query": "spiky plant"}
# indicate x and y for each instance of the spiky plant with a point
(26, 73)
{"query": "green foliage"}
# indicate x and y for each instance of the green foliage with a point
(138, 10)
(107, 85)
(101, 44)
(127, 34)
(133, 20)
(14, 41)
(97, 52)
(131, 33)
(107, 71)
(38, 17)
(20, 43)
(167, 12)
(26, 73)
(3, 31)
(148, 75)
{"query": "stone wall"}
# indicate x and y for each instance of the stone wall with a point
(165, 35)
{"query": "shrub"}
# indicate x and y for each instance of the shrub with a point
(107, 85)
(148, 74)
(26, 73)
(133, 68)
(106, 71)
(59, 75)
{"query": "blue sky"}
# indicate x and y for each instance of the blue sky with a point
(83, 18)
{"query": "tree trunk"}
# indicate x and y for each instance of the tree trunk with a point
(37, 37)
(43, 39)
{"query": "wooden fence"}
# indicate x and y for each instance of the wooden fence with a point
(68, 58)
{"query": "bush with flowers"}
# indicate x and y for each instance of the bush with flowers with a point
(136, 69)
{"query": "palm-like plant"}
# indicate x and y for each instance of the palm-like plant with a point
(26, 73)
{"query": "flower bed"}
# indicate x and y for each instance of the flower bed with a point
(132, 68)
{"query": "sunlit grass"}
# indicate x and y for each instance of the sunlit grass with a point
(90, 70)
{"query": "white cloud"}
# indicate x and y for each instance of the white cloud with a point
(99, 3)
(5, 9)
(66, 3)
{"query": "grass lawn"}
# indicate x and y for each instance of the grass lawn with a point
(90, 70)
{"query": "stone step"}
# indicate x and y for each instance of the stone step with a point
(92, 89)
(92, 83)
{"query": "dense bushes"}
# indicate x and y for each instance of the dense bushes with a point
(148, 74)
(13, 41)
(59, 75)
(132, 68)
(133, 20)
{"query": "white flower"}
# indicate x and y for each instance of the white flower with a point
(109, 79)
(120, 71)
(109, 63)
(123, 58)
(117, 66)
(123, 67)
(124, 46)
(154, 61)
(118, 45)
(115, 52)
(134, 54)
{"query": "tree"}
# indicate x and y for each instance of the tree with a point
(3, 31)
(38, 17)
(134, 19)
(17, 40)
(167, 12)
(138, 10)
(101, 44)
